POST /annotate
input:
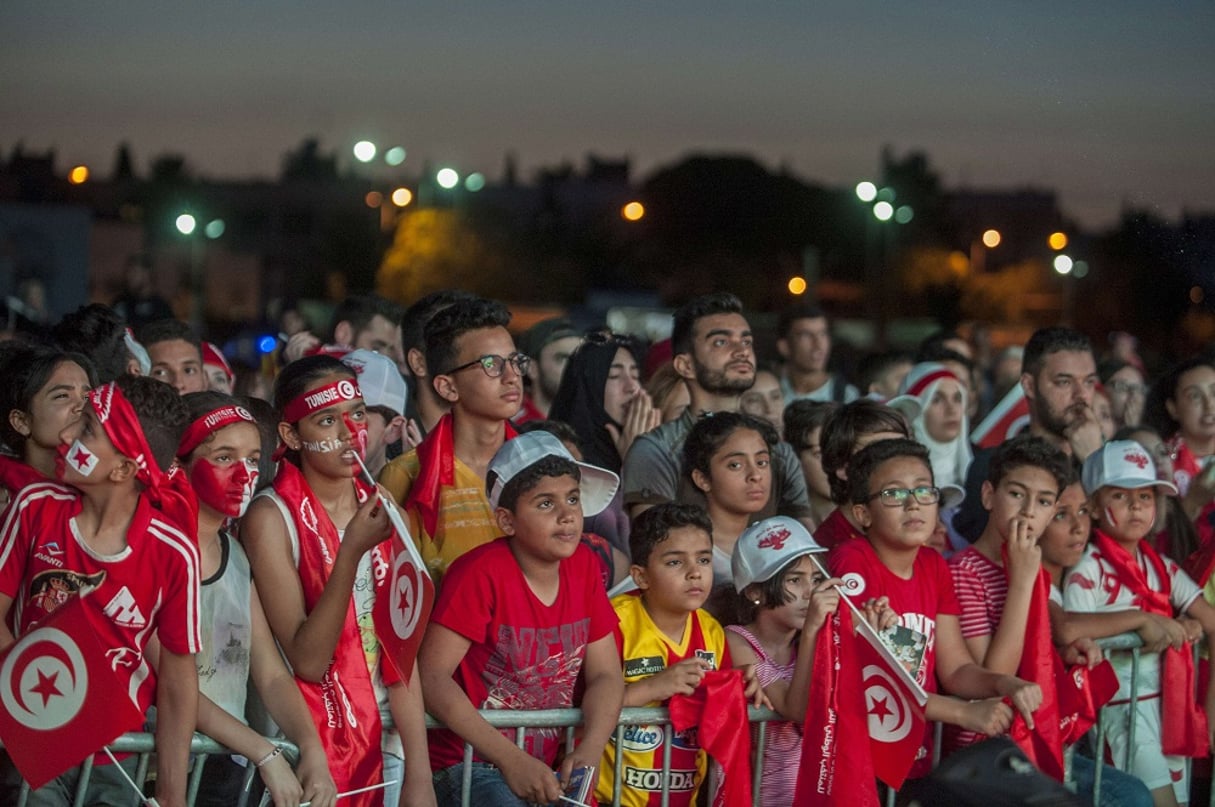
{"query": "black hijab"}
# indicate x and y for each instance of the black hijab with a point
(579, 399)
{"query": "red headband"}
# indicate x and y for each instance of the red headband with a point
(213, 421)
(117, 417)
(923, 383)
(344, 389)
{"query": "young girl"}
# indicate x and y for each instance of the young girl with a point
(728, 457)
(44, 393)
(220, 452)
(309, 543)
(786, 599)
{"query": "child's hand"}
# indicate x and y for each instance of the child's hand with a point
(370, 524)
(991, 716)
(1192, 628)
(752, 691)
(879, 614)
(823, 601)
(1173, 630)
(1153, 634)
(1024, 555)
(317, 782)
(530, 779)
(681, 678)
(1082, 651)
(1026, 696)
(280, 782)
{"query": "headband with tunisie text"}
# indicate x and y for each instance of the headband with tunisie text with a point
(213, 421)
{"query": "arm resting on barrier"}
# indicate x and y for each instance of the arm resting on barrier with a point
(176, 717)
(409, 715)
(601, 702)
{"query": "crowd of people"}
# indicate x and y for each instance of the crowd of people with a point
(607, 523)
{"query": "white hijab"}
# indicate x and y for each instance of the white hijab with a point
(951, 460)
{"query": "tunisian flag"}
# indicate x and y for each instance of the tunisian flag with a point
(719, 709)
(404, 596)
(1043, 744)
(836, 767)
(1004, 422)
(61, 699)
(894, 704)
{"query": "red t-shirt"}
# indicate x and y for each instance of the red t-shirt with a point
(836, 530)
(982, 589)
(917, 601)
(152, 586)
(524, 654)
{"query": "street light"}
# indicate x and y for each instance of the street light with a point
(447, 178)
(633, 211)
(1063, 264)
(186, 224)
(866, 191)
(79, 175)
(365, 151)
(883, 211)
(395, 155)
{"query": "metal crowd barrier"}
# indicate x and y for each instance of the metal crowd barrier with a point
(144, 745)
(1131, 643)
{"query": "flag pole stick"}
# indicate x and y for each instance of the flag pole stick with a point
(357, 791)
(843, 594)
(130, 781)
(394, 517)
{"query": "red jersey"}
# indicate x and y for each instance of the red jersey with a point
(524, 654)
(152, 586)
(917, 600)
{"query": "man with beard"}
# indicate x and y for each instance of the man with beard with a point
(549, 343)
(1059, 376)
(714, 354)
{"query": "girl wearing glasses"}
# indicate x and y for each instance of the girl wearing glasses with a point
(908, 594)
(728, 457)
(312, 549)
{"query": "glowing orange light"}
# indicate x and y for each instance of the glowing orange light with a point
(1057, 240)
(78, 175)
(374, 199)
(797, 285)
(402, 197)
(991, 238)
(958, 262)
(633, 211)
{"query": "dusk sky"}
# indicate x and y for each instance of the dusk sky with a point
(1108, 103)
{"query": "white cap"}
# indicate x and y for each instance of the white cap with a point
(379, 379)
(1122, 464)
(768, 546)
(598, 485)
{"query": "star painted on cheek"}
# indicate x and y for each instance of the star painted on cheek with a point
(81, 457)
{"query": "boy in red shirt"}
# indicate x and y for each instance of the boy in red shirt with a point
(516, 622)
(908, 591)
(119, 535)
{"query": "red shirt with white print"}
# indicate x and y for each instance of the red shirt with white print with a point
(152, 586)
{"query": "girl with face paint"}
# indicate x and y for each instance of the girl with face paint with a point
(314, 542)
(219, 452)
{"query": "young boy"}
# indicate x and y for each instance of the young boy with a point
(103, 537)
(667, 643)
(474, 367)
(1122, 572)
(516, 622)
(1021, 493)
(908, 592)
(176, 355)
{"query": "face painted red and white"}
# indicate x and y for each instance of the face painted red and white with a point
(223, 471)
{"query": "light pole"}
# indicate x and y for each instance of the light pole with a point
(881, 203)
(186, 223)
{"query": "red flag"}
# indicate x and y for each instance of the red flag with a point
(1082, 693)
(894, 704)
(1041, 665)
(1004, 422)
(719, 709)
(836, 766)
(61, 699)
(404, 597)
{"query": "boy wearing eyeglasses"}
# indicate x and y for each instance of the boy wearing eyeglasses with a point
(441, 483)
(907, 592)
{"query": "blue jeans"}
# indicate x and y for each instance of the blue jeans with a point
(1118, 789)
(488, 789)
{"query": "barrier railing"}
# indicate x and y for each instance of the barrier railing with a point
(144, 745)
(1130, 643)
